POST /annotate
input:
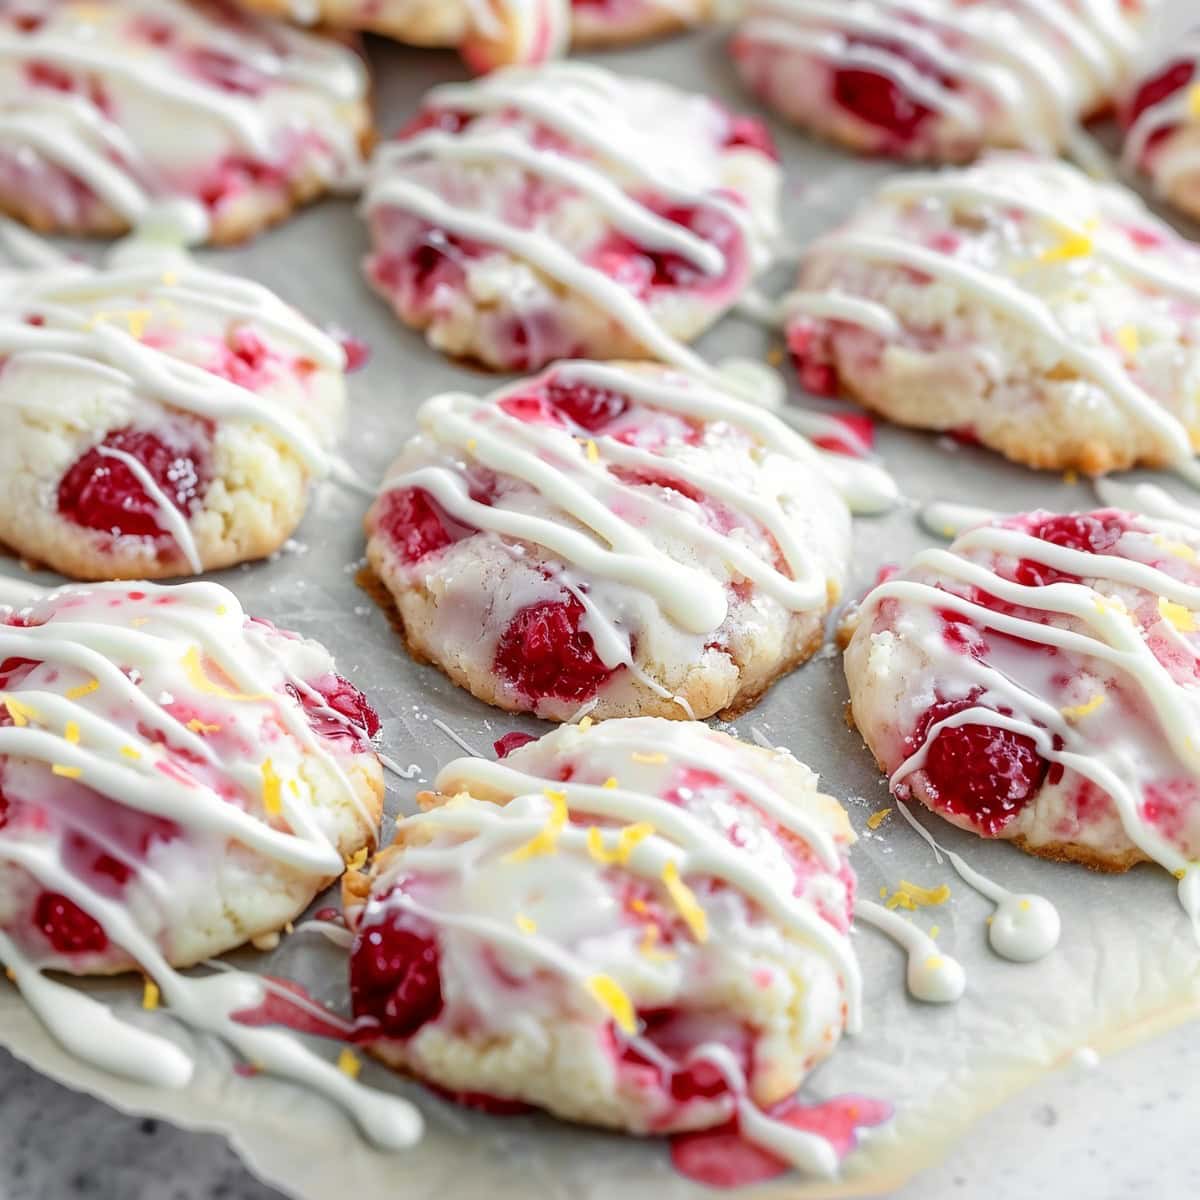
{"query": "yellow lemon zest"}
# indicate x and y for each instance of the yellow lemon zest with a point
(611, 783)
(525, 924)
(652, 760)
(627, 841)
(1073, 245)
(272, 789)
(71, 732)
(84, 689)
(546, 840)
(1084, 710)
(593, 451)
(131, 752)
(20, 713)
(585, 724)
(877, 818)
(934, 962)
(1129, 339)
(613, 999)
(689, 908)
(66, 772)
(150, 995)
(194, 667)
(648, 947)
(349, 1063)
(1182, 618)
(1193, 101)
(198, 726)
(911, 896)
(357, 859)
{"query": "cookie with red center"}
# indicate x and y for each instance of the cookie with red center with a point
(939, 81)
(1039, 681)
(1161, 115)
(618, 536)
(658, 944)
(177, 778)
(162, 418)
(567, 212)
(1016, 303)
(242, 117)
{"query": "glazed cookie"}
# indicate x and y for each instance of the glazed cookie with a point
(176, 778)
(940, 80)
(1162, 119)
(488, 34)
(619, 537)
(612, 22)
(1037, 681)
(568, 212)
(160, 418)
(641, 925)
(1017, 304)
(107, 108)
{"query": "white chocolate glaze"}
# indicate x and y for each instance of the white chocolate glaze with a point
(1175, 156)
(931, 976)
(1024, 928)
(523, 875)
(148, 122)
(83, 720)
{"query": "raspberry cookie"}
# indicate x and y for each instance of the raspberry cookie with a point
(161, 418)
(616, 536)
(641, 925)
(1017, 304)
(176, 778)
(939, 80)
(1039, 681)
(565, 212)
(612, 22)
(1162, 119)
(107, 108)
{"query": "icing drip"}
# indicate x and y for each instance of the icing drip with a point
(151, 53)
(1092, 624)
(469, 864)
(1092, 223)
(932, 976)
(1010, 53)
(91, 730)
(1024, 927)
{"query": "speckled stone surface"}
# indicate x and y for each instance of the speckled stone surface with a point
(1123, 1130)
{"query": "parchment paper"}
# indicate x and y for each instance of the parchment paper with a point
(1127, 965)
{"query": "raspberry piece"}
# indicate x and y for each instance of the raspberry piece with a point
(344, 698)
(395, 984)
(511, 741)
(880, 101)
(556, 403)
(67, 927)
(417, 525)
(857, 436)
(752, 133)
(1093, 533)
(99, 492)
(226, 72)
(699, 1081)
(545, 655)
(979, 771)
(1166, 83)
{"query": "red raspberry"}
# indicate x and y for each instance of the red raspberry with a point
(395, 984)
(67, 927)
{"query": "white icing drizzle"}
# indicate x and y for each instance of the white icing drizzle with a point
(1011, 52)
(1024, 928)
(1084, 623)
(932, 976)
(474, 840)
(1008, 182)
(584, 104)
(75, 727)
(945, 519)
(600, 538)
(74, 132)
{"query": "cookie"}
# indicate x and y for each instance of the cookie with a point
(1162, 126)
(616, 22)
(176, 778)
(619, 537)
(161, 418)
(564, 211)
(1037, 682)
(487, 35)
(1017, 304)
(939, 80)
(107, 109)
(641, 925)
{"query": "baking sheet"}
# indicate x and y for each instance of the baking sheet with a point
(1127, 965)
